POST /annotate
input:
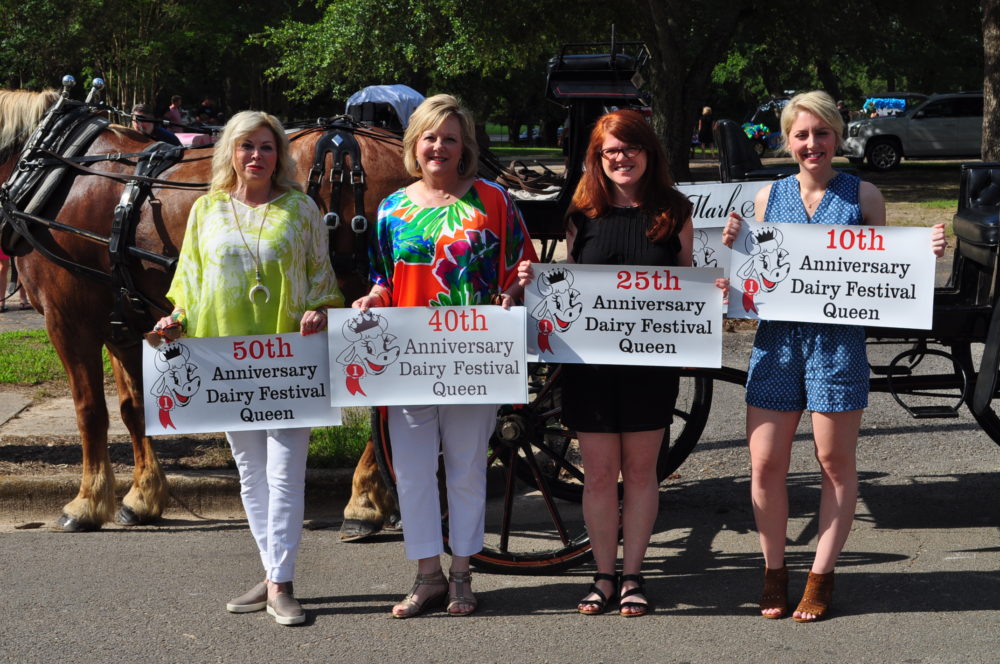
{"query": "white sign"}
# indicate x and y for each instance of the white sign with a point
(712, 202)
(824, 273)
(416, 356)
(271, 381)
(607, 314)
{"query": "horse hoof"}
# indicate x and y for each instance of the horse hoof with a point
(126, 517)
(353, 530)
(70, 525)
(394, 522)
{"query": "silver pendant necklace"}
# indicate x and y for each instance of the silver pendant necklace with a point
(259, 286)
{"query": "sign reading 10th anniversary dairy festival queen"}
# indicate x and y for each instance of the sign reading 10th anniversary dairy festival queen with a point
(398, 356)
(237, 383)
(821, 273)
(606, 314)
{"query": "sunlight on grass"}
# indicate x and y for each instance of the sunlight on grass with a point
(940, 204)
(28, 358)
(340, 447)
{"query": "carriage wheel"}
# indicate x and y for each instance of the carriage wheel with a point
(537, 528)
(987, 418)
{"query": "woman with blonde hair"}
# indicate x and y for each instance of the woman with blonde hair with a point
(255, 261)
(449, 238)
(814, 366)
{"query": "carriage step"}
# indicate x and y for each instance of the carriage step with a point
(928, 412)
(889, 370)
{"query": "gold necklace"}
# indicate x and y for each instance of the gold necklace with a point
(256, 257)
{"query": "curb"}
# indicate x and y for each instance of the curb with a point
(24, 497)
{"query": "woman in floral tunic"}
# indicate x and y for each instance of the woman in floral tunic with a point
(439, 242)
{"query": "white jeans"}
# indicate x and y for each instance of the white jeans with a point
(461, 433)
(272, 465)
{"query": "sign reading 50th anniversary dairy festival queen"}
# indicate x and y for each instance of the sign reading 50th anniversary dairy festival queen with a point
(824, 273)
(607, 314)
(399, 356)
(237, 383)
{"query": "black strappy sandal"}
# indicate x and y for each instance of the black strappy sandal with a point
(602, 603)
(640, 589)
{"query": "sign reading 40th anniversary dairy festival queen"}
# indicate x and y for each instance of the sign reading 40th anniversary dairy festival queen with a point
(414, 356)
(606, 314)
(237, 383)
(825, 273)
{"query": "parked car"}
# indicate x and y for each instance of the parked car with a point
(947, 126)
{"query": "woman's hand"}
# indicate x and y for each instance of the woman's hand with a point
(732, 229)
(723, 285)
(938, 241)
(313, 321)
(376, 298)
(168, 328)
(525, 273)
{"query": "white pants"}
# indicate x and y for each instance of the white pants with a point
(272, 465)
(461, 434)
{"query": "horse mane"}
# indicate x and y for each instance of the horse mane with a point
(20, 111)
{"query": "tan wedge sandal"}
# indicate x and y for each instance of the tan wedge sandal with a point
(410, 607)
(775, 595)
(817, 597)
(463, 582)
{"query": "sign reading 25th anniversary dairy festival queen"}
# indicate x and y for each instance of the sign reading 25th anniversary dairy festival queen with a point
(824, 273)
(416, 356)
(607, 314)
(237, 383)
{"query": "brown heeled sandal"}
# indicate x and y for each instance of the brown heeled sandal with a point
(817, 597)
(462, 580)
(411, 607)
(775, 595)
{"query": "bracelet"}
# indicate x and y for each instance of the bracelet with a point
(179, 316)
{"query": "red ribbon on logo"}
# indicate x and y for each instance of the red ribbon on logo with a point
(545, 328)
(355, 372)
(750, 287)
(166, 404)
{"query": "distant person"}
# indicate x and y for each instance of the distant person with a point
(144, 121)
(6, 263)
(705, 127)
(844, 114)
(207, 113)
(174, 114)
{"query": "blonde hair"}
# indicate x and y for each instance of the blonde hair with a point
(21, 110)
(428, 116)
(817, 103)
(239, 127)
(707, 110)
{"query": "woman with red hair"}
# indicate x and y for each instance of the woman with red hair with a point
(626, 211)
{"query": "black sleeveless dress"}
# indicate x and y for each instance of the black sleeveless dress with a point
(604, 398)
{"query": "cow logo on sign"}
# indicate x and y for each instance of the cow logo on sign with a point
(371, 350)
(178, 381)
(560, 305)
(767, 266)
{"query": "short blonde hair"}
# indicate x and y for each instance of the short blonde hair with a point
(818, 103)
(239, 127)
(428, 116)
(707, 110)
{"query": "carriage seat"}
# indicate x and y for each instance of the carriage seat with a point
(737, 160)
(977, 222)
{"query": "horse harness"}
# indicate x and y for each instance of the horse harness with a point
(52, 152)
(339, 142)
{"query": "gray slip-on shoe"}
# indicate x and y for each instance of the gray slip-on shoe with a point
(252, 600)
(286, 609)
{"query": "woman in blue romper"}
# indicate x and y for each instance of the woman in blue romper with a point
(816, 366)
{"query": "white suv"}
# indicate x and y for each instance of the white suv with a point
(943, 126)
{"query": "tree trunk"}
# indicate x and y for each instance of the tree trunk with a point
(991, 80)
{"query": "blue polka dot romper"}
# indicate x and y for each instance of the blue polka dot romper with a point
(816, 366)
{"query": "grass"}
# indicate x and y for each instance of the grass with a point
(28, 359)
(940, 204)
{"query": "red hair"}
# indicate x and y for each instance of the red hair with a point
(657, 195)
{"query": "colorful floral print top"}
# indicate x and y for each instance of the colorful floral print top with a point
(448, 255)
(216, 268)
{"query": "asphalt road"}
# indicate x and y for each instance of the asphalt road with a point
(919, 580)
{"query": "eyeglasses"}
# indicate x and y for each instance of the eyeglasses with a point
(630, 152)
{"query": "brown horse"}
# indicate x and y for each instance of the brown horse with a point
(84, 312)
